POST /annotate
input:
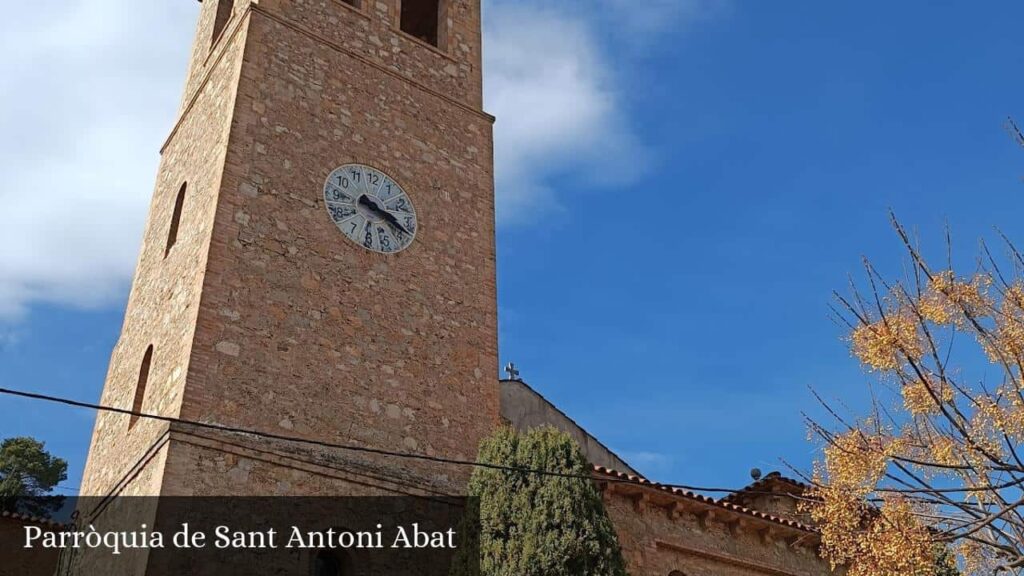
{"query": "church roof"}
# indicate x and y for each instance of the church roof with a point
(25, 518)
(723, 503)
(521, 416)
(773, 482)
(524, 407)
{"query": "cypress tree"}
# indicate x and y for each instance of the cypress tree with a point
(541, 525)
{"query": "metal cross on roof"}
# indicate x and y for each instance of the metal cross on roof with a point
(513, 372)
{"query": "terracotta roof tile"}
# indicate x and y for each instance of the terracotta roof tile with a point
(762, 484)
(31, 519)
(723, 503)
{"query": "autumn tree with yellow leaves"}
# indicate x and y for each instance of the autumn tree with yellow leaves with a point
(936, 470)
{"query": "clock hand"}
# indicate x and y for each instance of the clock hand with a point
(394, 222)
(376, 209)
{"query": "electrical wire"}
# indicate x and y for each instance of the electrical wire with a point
(350, 447)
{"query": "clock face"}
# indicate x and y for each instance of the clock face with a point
(370, 208)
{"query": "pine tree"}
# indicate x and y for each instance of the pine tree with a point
(28, 474)
(541, 525)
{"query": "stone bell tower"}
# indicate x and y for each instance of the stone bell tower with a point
(251, 308)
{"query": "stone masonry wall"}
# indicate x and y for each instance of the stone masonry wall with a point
(523, 408)
(263, 315)
(301, 332)
(372, 32)
(657, 542)
(204, 463)
(164, 299)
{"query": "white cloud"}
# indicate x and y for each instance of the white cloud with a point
(552, 81)
(79, 151)
(552, 90)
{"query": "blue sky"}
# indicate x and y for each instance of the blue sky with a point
(671, 223)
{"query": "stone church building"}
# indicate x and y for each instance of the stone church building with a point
(319, 262)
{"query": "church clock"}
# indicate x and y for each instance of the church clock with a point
(370, 208)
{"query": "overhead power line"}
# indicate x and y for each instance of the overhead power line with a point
(337, 446)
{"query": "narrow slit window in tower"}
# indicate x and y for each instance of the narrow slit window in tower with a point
(172, 234)
(224, 9)
(140, 387)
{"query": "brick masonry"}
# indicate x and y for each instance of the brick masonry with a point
(670, 536)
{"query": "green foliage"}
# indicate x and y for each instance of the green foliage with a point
(537, 525)
(28, 473)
